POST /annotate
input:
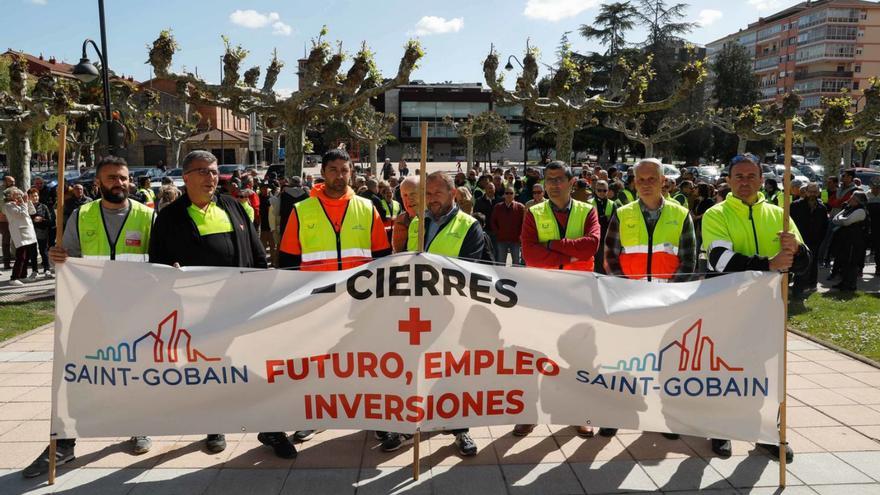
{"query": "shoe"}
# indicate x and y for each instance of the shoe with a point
(585, 431)
(721, 447)
(523, 430)
(48, 274)
(32, 276)
(280, 444)
(16, 283)
(215, 443)
(380, 435)
(466, 445)
(141, 445)
(773, 450)
(395, 441)
(671, 436)
(607, 432)
(40, 466)
(305, 435)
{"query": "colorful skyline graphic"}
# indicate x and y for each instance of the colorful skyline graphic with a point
(166, 345)
(696, 353)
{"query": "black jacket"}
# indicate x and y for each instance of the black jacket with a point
(175, 237)
(812, 224)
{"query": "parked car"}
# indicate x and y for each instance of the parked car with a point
(706, 173)
(865, 175)
(671, 171)
(226, 171)
(875, 164)
(176, 175)
(796, 174)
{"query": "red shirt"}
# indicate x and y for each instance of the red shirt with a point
(563, 251)
(506, 221)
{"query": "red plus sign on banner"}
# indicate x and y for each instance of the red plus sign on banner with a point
(414, 326)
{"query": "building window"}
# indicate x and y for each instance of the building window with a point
(857, 68)
(858, 51)
(855, 85)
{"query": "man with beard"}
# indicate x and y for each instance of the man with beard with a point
(201, 228)
(111, 228)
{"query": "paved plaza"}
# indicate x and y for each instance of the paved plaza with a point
(834, 428)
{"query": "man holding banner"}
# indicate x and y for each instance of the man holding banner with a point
(448, 232)
(650, 238)
(332, 230)
(561, 233)
(111, 228)
(201, 228)
(743, 233)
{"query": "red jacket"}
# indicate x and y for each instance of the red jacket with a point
(560, 252)
(506, 221)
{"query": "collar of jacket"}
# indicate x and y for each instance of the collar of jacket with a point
(741, 206)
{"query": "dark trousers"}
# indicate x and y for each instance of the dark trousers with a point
(810, 278)
(7, 245)
(43, 248)
(851, 259)
(22, 255)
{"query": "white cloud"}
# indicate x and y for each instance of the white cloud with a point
(430, 24)
(281, 29)
(707, 17)
(254, 20)
(768, 4)
(556, 10)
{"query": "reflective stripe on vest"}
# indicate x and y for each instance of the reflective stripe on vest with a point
(747, 230)
(448, 240)
(324, 249)
(134, 238)
(549, 228)
(653, 255)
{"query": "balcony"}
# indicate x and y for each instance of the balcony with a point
(801, 76)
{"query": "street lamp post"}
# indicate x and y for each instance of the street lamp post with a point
(86, 72)
(509, 67)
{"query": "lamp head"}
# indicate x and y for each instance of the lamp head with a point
(85, 71)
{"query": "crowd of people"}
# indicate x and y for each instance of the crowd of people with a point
(638, 225)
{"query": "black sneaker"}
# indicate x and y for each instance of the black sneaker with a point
(394, 441)
(671, 436)
(607, 432)
(279, 443)
(215, 443)
(40, 466)
(722, 447)
(305, 435)
(380, 435)
(773, 450)
(466, 445)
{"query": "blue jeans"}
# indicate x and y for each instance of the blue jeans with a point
(501, 250)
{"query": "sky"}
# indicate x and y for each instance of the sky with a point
(456, 34)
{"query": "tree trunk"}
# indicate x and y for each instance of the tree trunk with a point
(649, 149)
(177, 147)
(470, 153)
(564, 140)
(294, 153)
(18, 154)
(374, 157)
(847, 154)
(829, 157)
(741, 145)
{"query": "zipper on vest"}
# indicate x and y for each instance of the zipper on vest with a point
(754, 231)
(650, 251)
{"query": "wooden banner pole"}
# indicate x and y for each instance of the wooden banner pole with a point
(59, 233)
(423, 168)
(786, 220)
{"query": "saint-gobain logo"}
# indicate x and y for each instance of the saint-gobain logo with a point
(165, 340)
(117, 365)
(693, 357)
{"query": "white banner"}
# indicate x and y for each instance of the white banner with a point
(411, 341)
